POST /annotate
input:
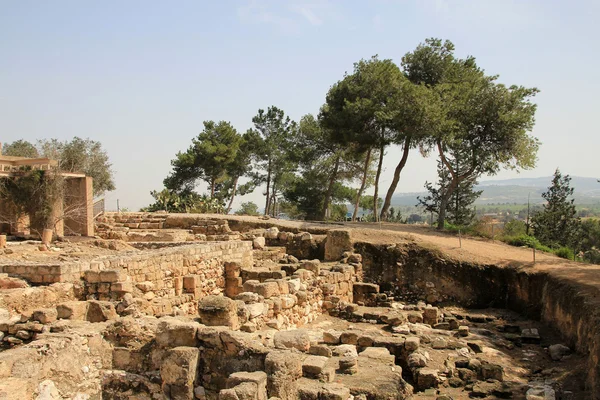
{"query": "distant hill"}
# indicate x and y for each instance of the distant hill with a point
(587, 191)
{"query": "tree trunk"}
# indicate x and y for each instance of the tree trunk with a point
(212, 188)
(388, 197)
(273, 200)
(268, 188)
(330, 187)
(362, 184)
(376, 191)
(235, 183)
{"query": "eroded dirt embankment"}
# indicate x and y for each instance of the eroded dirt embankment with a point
(554, 296)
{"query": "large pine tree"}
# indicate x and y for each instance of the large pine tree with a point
(557, 224)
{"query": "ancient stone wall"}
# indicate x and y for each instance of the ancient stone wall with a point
(412, 273)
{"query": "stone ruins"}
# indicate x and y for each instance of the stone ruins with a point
(182, 306)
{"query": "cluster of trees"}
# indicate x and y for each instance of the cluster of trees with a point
(557, 227)
(77, 155)
(34, 193)
(433, 102)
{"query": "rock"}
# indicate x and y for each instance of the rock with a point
(362, 291)
(313, 366)
(348, 365)
(200, 393)
(334, 391)
(332, 337)
(439, 343)
(45, 316)
(272, 233)
(259, 243)
(463, 330)
(476, 347)
(145, 286)
(338, 241)
(218, 311)
(294, 339)
(541, 392)
(257, 309)
(484, 389)
(416, 360)
(178, 369)
(467, 375)
(431, 316)
(412, 343)
(427, 378)
(492, 371)
(531, 336)
(320, 350)
(259, 378)
(283, 369)
(349, 337)
(100, 311)
(75, 310)
(47, 391)
(268, 289)
(172, 332)
(558, 351)
(414, 317)
(345, 350)
(23, 335)
(248, 297)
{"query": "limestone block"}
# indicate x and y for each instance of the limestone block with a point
(361, 291)
(492, 371)
(345, 350)
(412, 343)
(331, 337)
(431, 315)
(427, 378)
(100, 311)
(334, 391)
(268, 289)
(259, 378)
(320, 350)
(313, 366)
(178, 368)
(110, 276)
(218, 311)
(349, 337)
(295, 339)
(172, 332)
(45, 316)
(259, 243)
(338, 241)
(283, 369)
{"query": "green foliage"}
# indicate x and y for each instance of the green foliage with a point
(515, 228)
(557, 225)
(20, 148)
(272, 141)
(186, 202)
(211, 158)
(81, 156)
(247, 208)
(528, 241)
(33, 193)
(565, 252)
(486, 122)
(459, 206)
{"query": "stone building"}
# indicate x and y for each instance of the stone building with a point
(73, 214)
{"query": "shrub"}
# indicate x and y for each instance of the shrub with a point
(527, 241)
(565, 252)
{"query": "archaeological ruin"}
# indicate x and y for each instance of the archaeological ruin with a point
(197, 306)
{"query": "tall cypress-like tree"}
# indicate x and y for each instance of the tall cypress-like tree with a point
(557, 225)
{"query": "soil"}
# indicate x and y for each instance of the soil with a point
(68, 250)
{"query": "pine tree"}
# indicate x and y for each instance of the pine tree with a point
(458, 210)
(557, 224)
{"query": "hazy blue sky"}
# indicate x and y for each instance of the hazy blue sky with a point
(141, 76)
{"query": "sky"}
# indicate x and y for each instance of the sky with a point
(142, 76)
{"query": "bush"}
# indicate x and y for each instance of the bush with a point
(527, 241)
(565, 252)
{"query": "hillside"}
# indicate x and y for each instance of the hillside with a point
(587, 191)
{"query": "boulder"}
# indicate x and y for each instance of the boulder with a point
(178, 371)
(258, 378)
(172, 332)
(45, 316)
(100, 311)
(295, 339)
(75, 310)
(218, 311)
(558, 351)
(283, 369)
